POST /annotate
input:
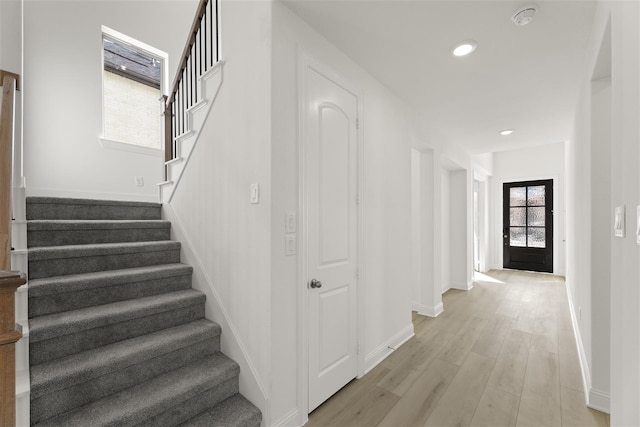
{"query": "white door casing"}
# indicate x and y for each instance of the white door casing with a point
(330, 174)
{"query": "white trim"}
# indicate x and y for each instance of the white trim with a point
(428, 310)
(385, 349)
(594, 399)
(287, 419)
(236, 349)
(462, 287)
(174, 161)
(305, 61)
(599, 401)
(132, 148)
(186, 142)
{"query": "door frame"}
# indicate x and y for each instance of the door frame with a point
(307, 61)
(557, 215)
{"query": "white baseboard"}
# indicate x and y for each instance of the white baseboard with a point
(427, 310)
(381, 352)
(287, 420)
(599, 401)
(595, 399)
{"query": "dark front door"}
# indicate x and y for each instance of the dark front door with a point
(528, 225)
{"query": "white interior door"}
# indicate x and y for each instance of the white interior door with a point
(331, 217)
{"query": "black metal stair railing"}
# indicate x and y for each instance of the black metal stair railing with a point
(199, 56)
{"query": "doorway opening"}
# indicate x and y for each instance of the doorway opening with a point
(528, 225)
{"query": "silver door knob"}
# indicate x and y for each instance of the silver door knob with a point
(315, 283)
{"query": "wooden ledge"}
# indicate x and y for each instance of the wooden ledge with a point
(11, 337)
(11, 280)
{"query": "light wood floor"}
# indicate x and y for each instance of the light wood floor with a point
(502, 354)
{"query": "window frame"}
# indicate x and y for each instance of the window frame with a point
(163, 58)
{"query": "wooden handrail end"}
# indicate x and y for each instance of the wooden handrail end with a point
(12, 279)
(16, 76)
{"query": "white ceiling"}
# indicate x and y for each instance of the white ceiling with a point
(525, 78)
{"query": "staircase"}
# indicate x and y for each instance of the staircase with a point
(117, 335)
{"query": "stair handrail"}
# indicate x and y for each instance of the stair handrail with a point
(10, 281)
(199, 56)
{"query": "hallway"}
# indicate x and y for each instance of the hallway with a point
(501, 354)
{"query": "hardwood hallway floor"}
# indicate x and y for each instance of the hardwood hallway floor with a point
(502, 354)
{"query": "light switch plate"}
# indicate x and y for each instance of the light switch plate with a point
(255, 193)
(290, 244)
(291, 225)
(619, 221)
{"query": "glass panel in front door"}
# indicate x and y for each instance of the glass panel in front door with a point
(527, 217)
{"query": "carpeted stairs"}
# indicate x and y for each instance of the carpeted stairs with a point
(117, 335)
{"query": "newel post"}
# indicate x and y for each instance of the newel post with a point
(10, 333)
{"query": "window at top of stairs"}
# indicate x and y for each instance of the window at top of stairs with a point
(133, 81)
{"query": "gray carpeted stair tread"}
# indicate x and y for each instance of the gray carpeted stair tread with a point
(78, 232)
(235, 411)
(64, 293)
(99, 279)
(70, 322)
(66, 208)
(137, 404)
(67, 224)
(117, 335)
(84, 251)
(81, 367)
(64, 260)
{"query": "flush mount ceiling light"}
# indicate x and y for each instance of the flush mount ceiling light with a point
(524, 15)
(465, 48)
(506, 132)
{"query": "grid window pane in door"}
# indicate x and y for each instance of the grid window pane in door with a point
(536, 195)
(535, 237)
(517, 217)
(518, 236)
(536, 216)
(518, 196)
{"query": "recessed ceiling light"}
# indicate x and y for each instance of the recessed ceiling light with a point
(506, 132)
(465, 48)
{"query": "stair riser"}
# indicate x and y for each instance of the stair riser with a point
(60, 401)
(90, 212)
(56, 303)
(46, 350)
(185, 410)
(86, 237)
(76, 265)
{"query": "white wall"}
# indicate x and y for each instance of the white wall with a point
(226, 238)
(63, 94)
(586, 235)
(459, 236)
(386, 271)
(426, 232)
(542, 162)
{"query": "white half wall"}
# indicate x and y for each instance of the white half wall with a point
(63, 94)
